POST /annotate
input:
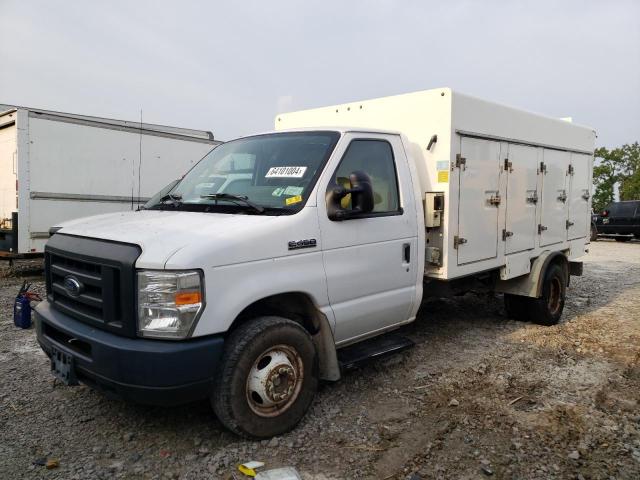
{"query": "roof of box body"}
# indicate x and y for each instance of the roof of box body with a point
(417, 113)
(113, 123)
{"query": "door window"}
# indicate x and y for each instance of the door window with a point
(375, 158)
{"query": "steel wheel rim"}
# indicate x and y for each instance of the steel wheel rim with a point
(274, 381)
(555, 294)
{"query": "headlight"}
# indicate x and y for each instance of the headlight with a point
(169, 302)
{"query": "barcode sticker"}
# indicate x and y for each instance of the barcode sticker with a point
(286, 172)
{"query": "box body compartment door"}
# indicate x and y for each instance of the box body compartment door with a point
(579, 222)
(555, 197)
(479, 174)
(522, 198)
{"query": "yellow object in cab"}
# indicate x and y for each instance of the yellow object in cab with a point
(292, 200)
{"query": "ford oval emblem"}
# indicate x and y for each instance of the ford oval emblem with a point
(73, 286)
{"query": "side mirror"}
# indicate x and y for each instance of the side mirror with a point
(362, 199)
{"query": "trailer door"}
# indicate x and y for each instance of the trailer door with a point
(554, 207)
(579, 222)
(8, 177)
(479, 199)
(522, 178)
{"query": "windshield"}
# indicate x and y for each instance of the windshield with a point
(271, 172)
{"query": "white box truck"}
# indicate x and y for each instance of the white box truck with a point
(59, 166)
(282, 258)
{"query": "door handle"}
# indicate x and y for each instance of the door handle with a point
(406, 252)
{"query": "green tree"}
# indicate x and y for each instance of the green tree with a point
(630, 181)
(605, 176)
(616, 166)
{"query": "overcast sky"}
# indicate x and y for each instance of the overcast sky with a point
(230, 69)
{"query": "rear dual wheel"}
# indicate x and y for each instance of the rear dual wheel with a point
(545, 310)
(267, 379)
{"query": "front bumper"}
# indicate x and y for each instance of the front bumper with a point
(153, 372)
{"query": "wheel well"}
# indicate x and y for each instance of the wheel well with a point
(296, 306)
(556, 258)
(300, 308)
(530, 285)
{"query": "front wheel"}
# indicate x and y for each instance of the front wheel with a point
(547, 309)
(267, 379)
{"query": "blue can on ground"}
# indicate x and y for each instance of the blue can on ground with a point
(22, 311)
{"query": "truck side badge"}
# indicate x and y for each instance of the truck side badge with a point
(308, 243)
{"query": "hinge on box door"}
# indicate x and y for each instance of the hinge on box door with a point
(533, 198)
(461, 162)
(457, 241)
(570, 170)
(508, 166)
(494, 199)
(569, 224)
(543, 168)
(506, 234)
(563, 196)
(541, 228)
(586, 195)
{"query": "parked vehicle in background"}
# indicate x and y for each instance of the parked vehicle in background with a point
(620, 220)
(268, 266)
(59, 166)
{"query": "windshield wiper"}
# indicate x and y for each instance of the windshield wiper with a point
(237, 199)
(168, 199)
(173, 197)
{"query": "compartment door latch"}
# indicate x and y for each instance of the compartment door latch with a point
(457, 241)
(495, 199)
(563, 196)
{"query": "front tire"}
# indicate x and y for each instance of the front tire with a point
(547, 309)
(267, 379)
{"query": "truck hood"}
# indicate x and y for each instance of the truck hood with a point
(214, 238)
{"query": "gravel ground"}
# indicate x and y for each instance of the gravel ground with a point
(478, 396)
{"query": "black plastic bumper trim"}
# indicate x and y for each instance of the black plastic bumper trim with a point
(146, 371)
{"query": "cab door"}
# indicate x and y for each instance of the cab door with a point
(371, 261)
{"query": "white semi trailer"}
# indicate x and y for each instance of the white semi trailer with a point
(282, 258)
(59, 166)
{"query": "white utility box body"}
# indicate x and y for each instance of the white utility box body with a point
(499, 185)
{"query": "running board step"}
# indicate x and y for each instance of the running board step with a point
(355, 355)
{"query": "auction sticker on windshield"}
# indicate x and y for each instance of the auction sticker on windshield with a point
(292, 200)
(286, 172)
